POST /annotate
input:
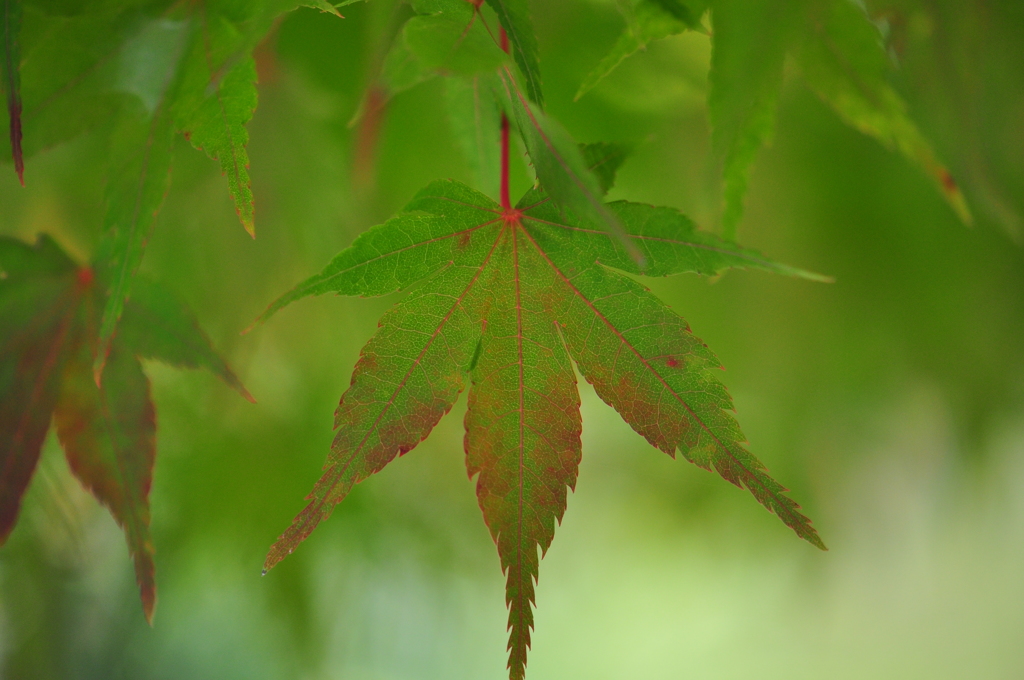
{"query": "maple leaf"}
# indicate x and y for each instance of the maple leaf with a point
(190, 70)
(841, 56)
(843, 59)
(49, 311)
(508, 298)
(70, 63)
(153, 71)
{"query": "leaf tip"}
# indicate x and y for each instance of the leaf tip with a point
(147, 587)
(258, 321)
(273, 557)
(271, 309)
(246, 394)
(232, 381)
(819, 278)
(805, 274)
(282, 548)
(8, 518)
(98, 366)
(955, 197)
(810, 534)
(327, 7)
(803, 528)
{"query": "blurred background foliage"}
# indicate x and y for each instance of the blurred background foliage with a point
(891, 402)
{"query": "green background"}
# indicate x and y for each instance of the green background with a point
(891, 402)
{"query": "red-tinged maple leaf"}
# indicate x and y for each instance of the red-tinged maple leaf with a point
(49, 313)
(509, 298)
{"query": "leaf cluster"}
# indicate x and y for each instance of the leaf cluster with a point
(509, 301)
(72, 336)
(834, 44)
(51, 308)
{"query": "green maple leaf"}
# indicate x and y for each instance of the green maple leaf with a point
(189, 70)
(505, 300)
(841, 56)
(49, 312)
(68, 63)
(150, 71)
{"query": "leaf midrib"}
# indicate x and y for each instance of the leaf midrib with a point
(514, 228)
